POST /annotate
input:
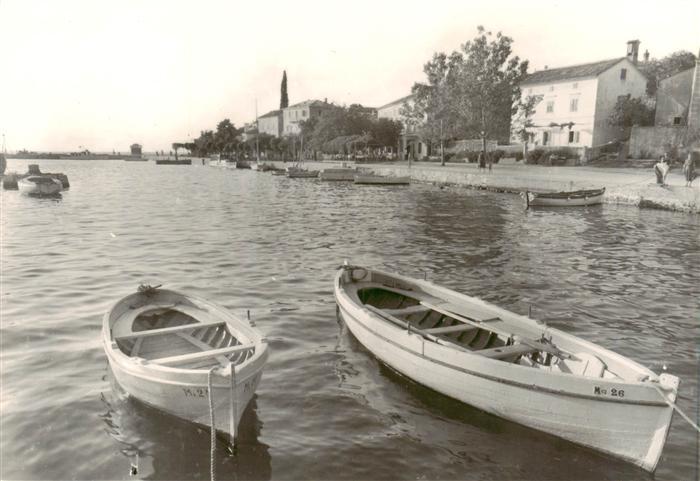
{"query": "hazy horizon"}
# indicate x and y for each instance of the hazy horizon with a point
(100, 76)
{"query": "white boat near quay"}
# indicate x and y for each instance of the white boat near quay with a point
(164, 348)
(374, 179)
(509, 365)
(39, 185)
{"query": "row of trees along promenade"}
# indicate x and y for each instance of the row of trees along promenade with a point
(472, 93)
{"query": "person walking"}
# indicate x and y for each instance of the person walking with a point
(689, 170)
(661, 169)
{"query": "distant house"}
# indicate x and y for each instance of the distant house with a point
(678, 99)
(308, 109)
(577, 101)
(136, 150)
(410, 144)
(271, 123)
(250, 131)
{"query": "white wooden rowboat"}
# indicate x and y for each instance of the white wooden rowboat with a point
(381, 180)
(565, 199)
(39, 185)
(162, 346)
(509, 365)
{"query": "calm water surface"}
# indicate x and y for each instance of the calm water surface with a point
(326, 409)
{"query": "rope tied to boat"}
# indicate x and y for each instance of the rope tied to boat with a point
(212, 456)
(654, 383)
(351, 269)
(148, 289)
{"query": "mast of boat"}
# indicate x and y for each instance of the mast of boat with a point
(257, 134)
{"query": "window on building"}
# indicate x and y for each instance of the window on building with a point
(573, 137)
(573, 105)
(303, 113)
(575, 85)
(623, 74)
(577, 137)
(550, 106)
(419, 147)
(545, 138)
(676, 120)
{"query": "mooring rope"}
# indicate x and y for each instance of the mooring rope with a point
(678, 410)
(212, 457)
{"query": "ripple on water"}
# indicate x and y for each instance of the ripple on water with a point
(325, 409)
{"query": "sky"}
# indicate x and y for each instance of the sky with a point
(101, 75)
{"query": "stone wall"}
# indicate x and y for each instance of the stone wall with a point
(651, 142)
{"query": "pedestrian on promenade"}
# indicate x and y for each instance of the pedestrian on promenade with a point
(689, 170)
(482, 162)
(661, 169)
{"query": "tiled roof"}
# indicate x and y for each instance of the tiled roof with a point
(573, 72)
(399, 101)
(271, 113)
(310, 103)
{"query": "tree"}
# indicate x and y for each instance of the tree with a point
(430, 111)
(473, 93)
(486, 92)
(629, 112)
(657, 70)
(284, 99)
(522, 123)
(386, 132)
(226, 137)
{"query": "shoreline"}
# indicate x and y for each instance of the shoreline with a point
(623, 185)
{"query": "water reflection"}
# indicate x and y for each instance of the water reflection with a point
(162, 446)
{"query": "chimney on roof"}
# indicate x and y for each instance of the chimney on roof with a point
(646, 56)
(633, 51)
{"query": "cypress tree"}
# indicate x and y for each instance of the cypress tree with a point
(284, 99)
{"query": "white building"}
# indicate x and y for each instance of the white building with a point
(577, 101)
(410, 144)
(294, 114)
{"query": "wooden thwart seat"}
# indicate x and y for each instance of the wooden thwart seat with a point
(449, 329)
(167, 330)
(407, 310)
(166, 361)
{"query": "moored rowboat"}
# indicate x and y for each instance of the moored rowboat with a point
(381, 180)
(162, 346)
(39, 185)
(563, 199)
(509, 365)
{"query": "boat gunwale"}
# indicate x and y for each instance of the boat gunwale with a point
(232, 323)
(646, 385)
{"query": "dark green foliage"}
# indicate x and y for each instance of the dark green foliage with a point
(657, 70)
(631, 111)
(284, 98)
(519, 156)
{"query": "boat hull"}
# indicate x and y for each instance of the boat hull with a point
(48, 186)
(633, 428)
(182, 389)
(189, 398)
(565, 199)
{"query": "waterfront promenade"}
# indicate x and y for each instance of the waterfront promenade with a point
(634, 186)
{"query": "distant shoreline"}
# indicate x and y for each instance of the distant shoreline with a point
(59, 156)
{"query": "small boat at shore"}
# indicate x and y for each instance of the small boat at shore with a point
(178, 353)
(381, 180)
(299, 173)
(341, 174)
(185, 161)
(564, 199)
(509, 365)
(39, 185)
